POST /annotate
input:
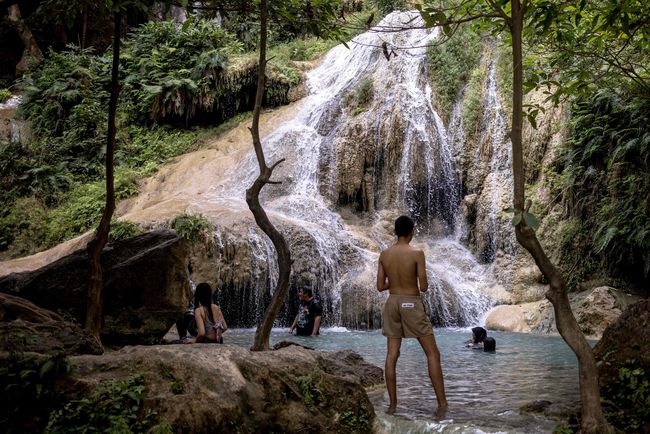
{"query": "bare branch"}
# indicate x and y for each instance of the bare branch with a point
(499, 10)
(273, 166)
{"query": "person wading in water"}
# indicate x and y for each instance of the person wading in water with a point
(401, 269)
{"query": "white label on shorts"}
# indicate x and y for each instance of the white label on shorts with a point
(409, 305)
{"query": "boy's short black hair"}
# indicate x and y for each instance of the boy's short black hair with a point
(489, 344)
(307, 291)
(404, 226)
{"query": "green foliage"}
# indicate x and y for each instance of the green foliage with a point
(301, 49)
(310, 387)
(451, 65)
(528, 218)
(387, 6)
(577, 261)
(24, 226)
(606, 179)
(192, 227)
(83, 208)
(28, 388)
(359, 98)
(591, 44)
(122, 230)
(627, 400)
(355, 423)
(290, 20)
(174, 71)
(115, 406)
(67, 79)
(5, 94)
(472, 104)
(143, 149)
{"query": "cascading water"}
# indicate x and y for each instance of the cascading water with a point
(345, 178)
(498, 182)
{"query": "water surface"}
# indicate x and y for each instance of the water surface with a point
(485, 390)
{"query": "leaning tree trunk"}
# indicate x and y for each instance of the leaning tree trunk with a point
(31, 52)
(592, 414)
(263, 331)
(95, 246)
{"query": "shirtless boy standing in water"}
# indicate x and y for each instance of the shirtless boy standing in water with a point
(401, 268)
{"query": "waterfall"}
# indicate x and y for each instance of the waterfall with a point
(346, 177)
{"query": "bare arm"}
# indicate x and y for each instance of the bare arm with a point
(382, 279)
(422, 272)
(216, 311)
(316, 326)
(200, 326)
(294, 325)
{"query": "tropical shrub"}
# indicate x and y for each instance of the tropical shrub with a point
(192, 227)
(606, 178)
(451, 65)
(173, 71)
(5, 94)
(115, 406)
(123, 229)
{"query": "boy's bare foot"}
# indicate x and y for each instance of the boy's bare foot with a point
(390, 409)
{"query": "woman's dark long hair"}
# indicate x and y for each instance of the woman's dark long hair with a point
(203, 297)
(479, 334)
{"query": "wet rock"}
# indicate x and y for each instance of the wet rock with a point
(594, 310)
(213, 388)
(535, 407)
(25, 327)
(623, 360)
(146, 286)
(628, 339)
(12, 128)
(347, 362)
(510, 318)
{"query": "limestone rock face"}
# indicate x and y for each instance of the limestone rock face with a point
(13, 129)
(626, 340)
(145, 286)
(26, 327)
(594, 310)
(226, 388)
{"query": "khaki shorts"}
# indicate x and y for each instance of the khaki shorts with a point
(404, 317)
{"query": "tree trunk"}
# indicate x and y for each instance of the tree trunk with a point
(31, 52)
(95, 246)
(263, 331)
(592, 415)
(84, 25)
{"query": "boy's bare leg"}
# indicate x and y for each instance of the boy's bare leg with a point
(392, 354)
(430, 348)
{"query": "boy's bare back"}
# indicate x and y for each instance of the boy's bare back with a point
(403, 266)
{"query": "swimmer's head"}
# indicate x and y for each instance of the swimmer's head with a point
(489, 344)
(404, 226)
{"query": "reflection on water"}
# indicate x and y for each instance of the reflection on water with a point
(484, 390)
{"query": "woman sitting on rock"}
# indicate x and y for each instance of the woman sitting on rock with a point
(210, 322)
(478, 336)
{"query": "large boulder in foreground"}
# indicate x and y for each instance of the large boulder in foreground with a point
(225, 388)
(25, 327)
(146, 286)
(627, 340)
(623, 356)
